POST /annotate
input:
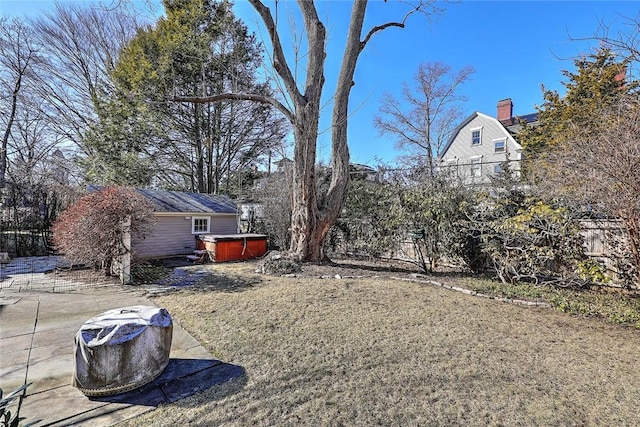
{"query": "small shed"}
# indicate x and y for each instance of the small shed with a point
(234, 247)
(181, 216)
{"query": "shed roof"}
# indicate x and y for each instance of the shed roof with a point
(180, 201)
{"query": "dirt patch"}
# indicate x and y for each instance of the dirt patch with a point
(359, 268)
(364, 268)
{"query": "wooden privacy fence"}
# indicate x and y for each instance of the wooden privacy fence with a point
(600, 237)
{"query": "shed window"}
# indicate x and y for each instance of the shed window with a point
(200, 224)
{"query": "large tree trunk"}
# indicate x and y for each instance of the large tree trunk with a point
(7, 132)
(310, 223)
(197, 144)
(305, 242)
(306, 238)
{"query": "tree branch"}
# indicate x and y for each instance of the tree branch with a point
(382, 27)
(316, 36)
(378, 28)
(238, 97)
(279, 59)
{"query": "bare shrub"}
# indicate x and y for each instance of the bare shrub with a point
(606, 158)
(90, 231)
(277, 264)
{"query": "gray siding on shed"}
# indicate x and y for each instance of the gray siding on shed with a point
(172, 235)
(224, 225)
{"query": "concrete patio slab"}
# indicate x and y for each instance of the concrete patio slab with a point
(37, 331)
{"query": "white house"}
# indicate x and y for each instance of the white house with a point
(481, 144)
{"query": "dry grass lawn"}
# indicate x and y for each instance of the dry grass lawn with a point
(383, 352)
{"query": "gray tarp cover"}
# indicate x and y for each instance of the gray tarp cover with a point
(122, 349)
(122, 324)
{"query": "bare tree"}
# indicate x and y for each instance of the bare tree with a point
(37, 185)
(273, 219)
(607, 158)
(80, 47)
(625, 41)
(91, 230)
(311, 217)
(424, 118)
(17, 55)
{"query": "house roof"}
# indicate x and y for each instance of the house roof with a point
(514, 124)
(179, 201)
(466, 121)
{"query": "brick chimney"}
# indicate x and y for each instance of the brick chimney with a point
(505, 110)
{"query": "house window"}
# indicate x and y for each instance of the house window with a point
(200, 224)
(452, 167)
(476, 167)
(476, 136)
(497, 169)
(499, 146)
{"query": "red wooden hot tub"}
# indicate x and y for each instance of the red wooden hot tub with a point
(232, 247)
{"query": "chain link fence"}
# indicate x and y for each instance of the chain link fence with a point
(49, 274)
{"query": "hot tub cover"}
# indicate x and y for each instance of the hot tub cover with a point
(122, 349)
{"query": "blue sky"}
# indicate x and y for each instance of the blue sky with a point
(514, 46)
